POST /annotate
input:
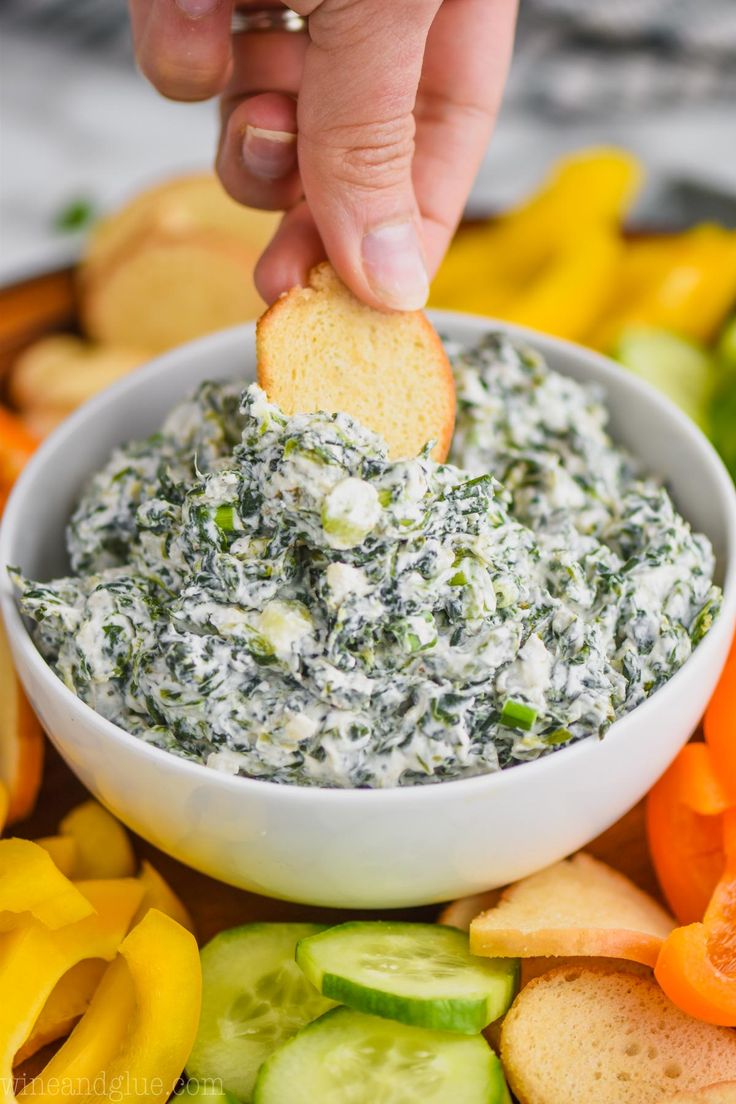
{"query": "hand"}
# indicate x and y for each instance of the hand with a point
(368, 132)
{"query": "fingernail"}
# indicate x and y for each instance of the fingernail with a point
(394, 266)
(195, 9)
(269, 154)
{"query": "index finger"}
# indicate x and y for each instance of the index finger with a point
(183, 46)
(465, 65)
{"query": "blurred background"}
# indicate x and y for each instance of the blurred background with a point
(651, 81)
(655, 76)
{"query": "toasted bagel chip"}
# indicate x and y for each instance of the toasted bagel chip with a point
(599, 1035)
(320, 348)
(174, 263)
(171, 290)
(578, 907)
(722, 1093)
(461, 913)
(58, 373)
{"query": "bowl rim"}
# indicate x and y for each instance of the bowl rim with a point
(460, 787)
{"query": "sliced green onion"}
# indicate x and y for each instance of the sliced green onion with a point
(225, 518)
(516, 714)
(74, 215)
(704, 621)
(559, 736)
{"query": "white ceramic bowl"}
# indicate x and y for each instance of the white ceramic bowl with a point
(364, 848)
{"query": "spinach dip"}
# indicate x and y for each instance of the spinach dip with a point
(274, 597)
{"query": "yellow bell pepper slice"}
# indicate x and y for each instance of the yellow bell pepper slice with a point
(696, 296)
(158, 894)
(600, 182)
(690, 292)
(569, 295)
(644, 262)
(3, 806)
(31, 883)
(93, 1044)
(67, 1003)
(133, 1042)
(489, 264)
(33, 959)
(63, 851)
(104, 849)
(469, 278)
(592, 188)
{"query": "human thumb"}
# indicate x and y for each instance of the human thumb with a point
(356, 143)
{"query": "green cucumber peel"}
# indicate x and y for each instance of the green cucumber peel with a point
(422, 975)
(254, 997)
(726, 349)
(349, 1056)
(723, 405)
(675, 365)
(210, 1091)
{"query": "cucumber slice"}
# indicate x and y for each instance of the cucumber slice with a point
(723, 406)
(723, 422)
(726, 350)
(210, 1092)
(254, 996)
(346, 1056)
(421, 974)
(679, 368)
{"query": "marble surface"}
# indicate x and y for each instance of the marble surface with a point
(77, 124)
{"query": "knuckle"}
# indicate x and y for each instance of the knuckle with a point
(371, 157)
(343, 22)
(336, 23)
(373, 169)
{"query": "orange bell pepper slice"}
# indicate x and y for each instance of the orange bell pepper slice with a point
(699, 784)
(720, 727)
(21, 740)
(686, 846)
(31, 885)
(132, 1043)
(729, 834)
(104, 849)
(696, 966)
(17, 444)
